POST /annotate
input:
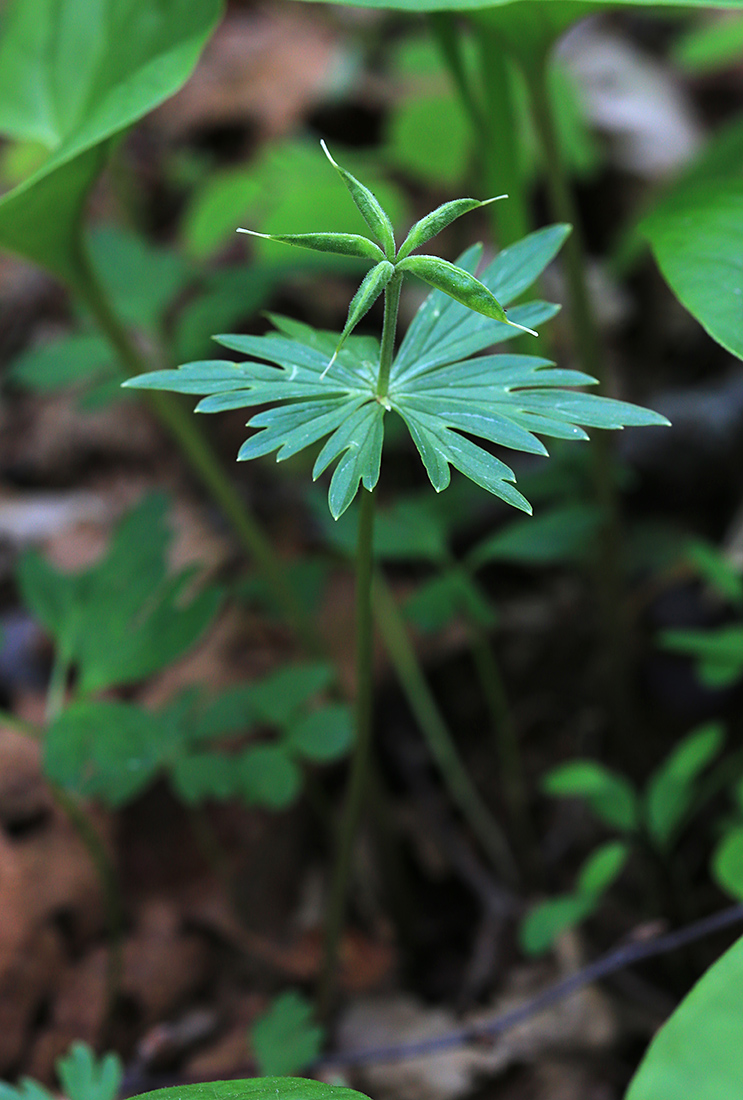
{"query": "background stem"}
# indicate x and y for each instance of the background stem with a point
(609, 582)
(358, 776)
(439, 740)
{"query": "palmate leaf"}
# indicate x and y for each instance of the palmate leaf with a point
(441, 387)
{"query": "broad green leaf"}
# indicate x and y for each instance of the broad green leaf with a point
(104, 750)
(601, 869)
(256, 1088)
(84, 1077)
(369, 207)
(697, 238)
(560, 535)
(719, 653)
(727, 863)
(141, 279)
(73, 75)
(277, 698)
(670, 791)
(62, 363)
(322, 735)
(611, 797)
(267, 776)
(285, 1039)
(549, 919)
(717, 569)
(123, 618)
(26, 1089)
(712, 45)
(445, 597)
(699, 1052)
(429, 138)
(202, 776)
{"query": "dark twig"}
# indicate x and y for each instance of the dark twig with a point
(618, 959)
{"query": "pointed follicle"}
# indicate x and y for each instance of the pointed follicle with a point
(335, 356)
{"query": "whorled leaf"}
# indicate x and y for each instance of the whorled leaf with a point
(443, 390)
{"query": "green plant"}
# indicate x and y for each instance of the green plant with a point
(81, 1074)
(547, 920)
(649, 820)
(699, 1051)
(284, 1039)
(317, 385)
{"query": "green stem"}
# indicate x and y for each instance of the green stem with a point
(391, 307)
(513, 782)
(502, 170)
(588, 348)
(360, 761)
(96, 849)
(198, 452)
(437, 736)
(108, 878)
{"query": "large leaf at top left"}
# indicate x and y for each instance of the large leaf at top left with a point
(73, 75)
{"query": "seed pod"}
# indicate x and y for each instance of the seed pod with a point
(369, 207)
(458, 284)
(364, 298)
(343, 244)
(437, 220)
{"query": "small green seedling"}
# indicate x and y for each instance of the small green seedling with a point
(113, 750)
(82, 1075)
(285, 1040)
(654, 817)
(546, 921)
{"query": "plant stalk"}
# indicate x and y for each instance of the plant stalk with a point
(439, 740)
(387, 348)
(360, 761)
(590, 357)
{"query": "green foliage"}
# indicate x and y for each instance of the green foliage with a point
(113, 750)
(436, 383)
(671, 793)
(125, 617)
(256, 1088)
(711, 46)
(108, 62)
(549, 919)
(83, 1077)
(672, 790)
(284, 1039)
(285, 189)
(81, 1074)
(718, 653)
(579, 7)
(727, 863)
(696, 238)
(611, 797)
(699, 1051)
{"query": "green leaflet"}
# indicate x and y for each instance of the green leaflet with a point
(369, 208)
(438, 220)
(342, 244)
(372, 286)
(256, 1088)
(459, 285)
